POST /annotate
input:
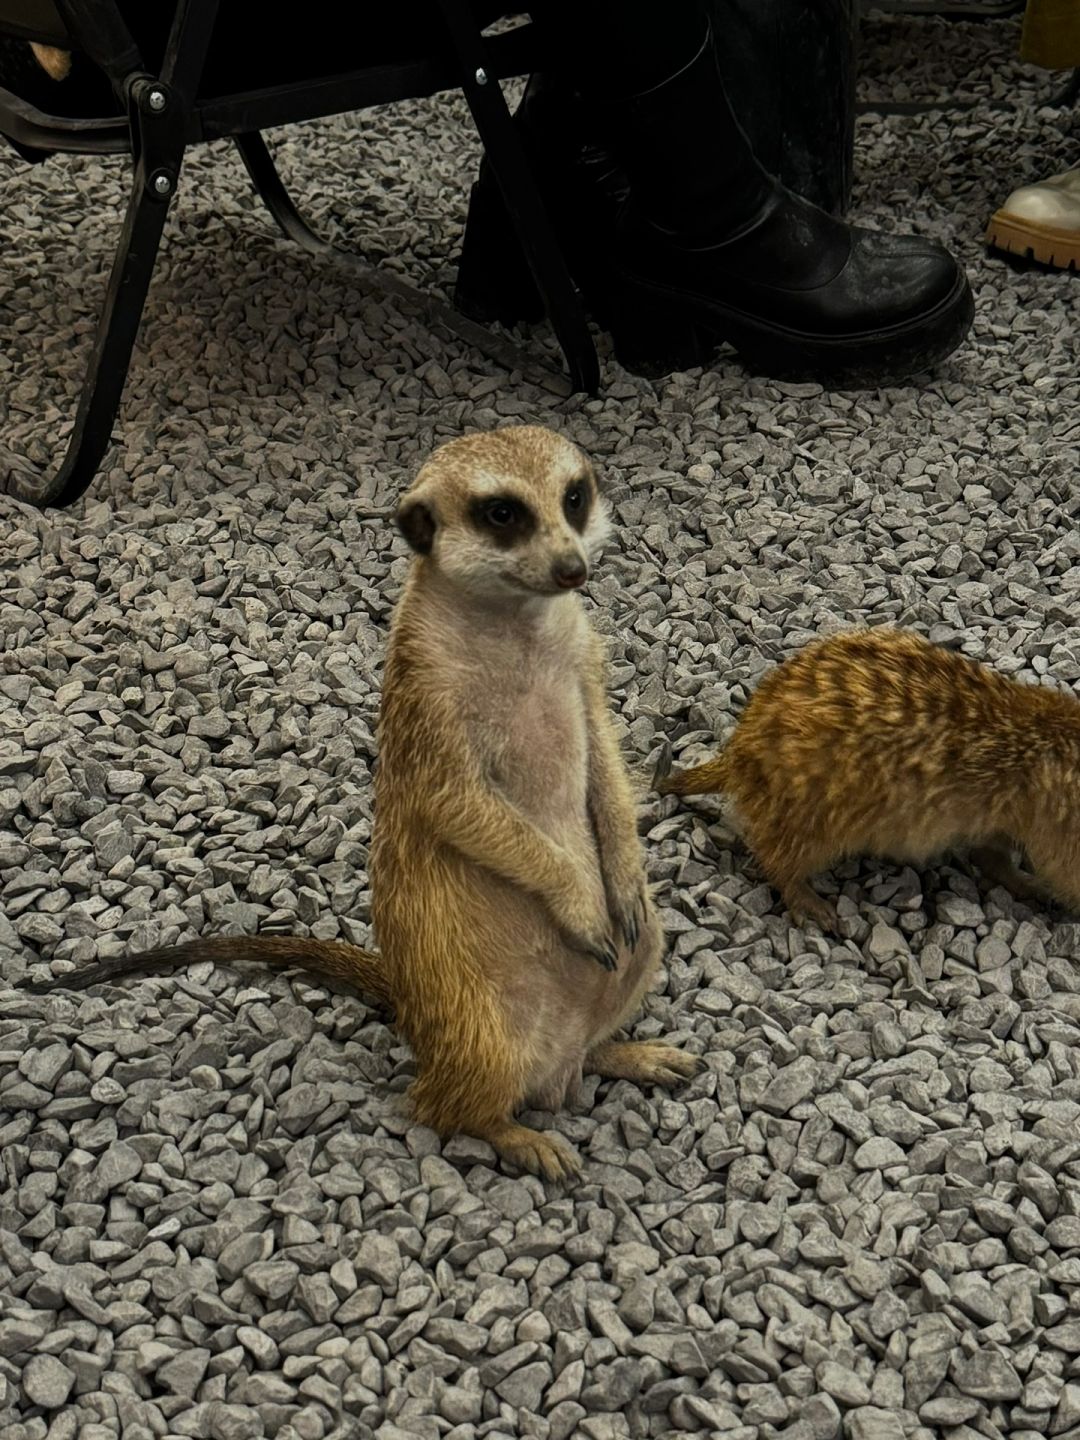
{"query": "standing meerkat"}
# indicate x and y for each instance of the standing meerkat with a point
(876, 742)
(509, 895)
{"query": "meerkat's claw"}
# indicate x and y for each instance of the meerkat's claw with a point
(674, 1072)
(641, 911)
(605, 955)
(604, 951)
(544, 1154)
(629, 927)
(631, 921)
(631, 931)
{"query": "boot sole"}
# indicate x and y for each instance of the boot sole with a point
(1045, 244)
(990, 10)
(657, 331)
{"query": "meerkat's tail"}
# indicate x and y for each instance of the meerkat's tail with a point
(701, 780)
(359, 968)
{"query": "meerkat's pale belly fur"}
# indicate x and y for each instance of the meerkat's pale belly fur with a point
(540, 758)
(518, 689)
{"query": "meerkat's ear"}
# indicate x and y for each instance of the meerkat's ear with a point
(416, 521)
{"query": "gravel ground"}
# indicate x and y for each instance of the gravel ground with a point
(863, 1219)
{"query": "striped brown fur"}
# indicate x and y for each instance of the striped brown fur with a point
(878, 742)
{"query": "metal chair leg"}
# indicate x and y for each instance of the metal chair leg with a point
(268, 184)
(159, 112)
(110, 357)
(510, 166)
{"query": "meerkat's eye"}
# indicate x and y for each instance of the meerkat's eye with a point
(576, 499)
(501, 513)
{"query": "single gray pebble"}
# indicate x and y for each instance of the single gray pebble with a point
(46, 1381)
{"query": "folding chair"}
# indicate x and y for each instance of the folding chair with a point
(161, 110)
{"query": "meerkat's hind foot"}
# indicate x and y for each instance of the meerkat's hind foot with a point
(1052, 888)
(548, 1156)
(645, 1062)
(997, 864)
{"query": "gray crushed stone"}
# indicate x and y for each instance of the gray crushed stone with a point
(863, 1219)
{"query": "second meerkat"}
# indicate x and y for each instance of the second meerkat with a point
(876, 742)
(509, 895)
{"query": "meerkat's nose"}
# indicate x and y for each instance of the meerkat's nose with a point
(569, 571)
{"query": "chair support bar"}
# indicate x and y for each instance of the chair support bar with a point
(158, 152)
(164, 114)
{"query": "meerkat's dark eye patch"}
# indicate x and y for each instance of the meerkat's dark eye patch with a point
(577, 502)
(505, 518)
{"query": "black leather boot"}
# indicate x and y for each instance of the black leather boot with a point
(680, 241)
(773, 61)
(584, 188)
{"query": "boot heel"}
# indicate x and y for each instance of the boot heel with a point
(653, 341)
(494, 281)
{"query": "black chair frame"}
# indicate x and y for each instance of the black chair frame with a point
(164, 113)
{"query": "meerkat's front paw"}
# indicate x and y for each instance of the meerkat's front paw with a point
(629, 911)
(627, 894)
(589, 932)
(602, 949)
